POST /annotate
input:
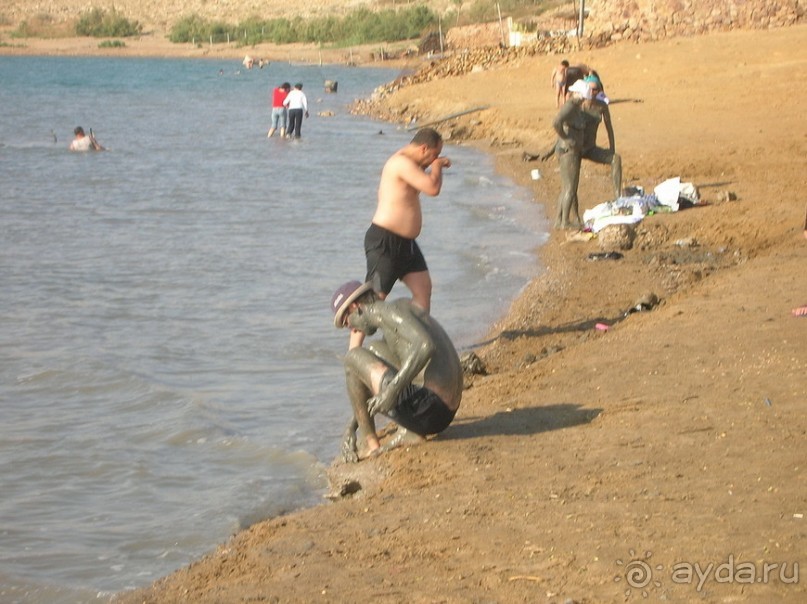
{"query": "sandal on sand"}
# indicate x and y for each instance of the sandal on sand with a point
(801, 311)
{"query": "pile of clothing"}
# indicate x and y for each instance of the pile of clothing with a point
(668, 196)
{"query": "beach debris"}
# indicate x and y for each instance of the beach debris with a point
(645, 302)
(725, 195)
(579, 236)
(687, 242)
(472, 364)
(605, 256)
(326, 114)
(532, 578)
(345, 489)
(617, 237)
(331, 85)
(449, 117)
(768, 402)
(602, 327)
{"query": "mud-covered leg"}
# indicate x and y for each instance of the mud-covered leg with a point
(574, 213)
(570, 178)
(403, 437)
(380, 349)
(350, 452)
(616, 174)
(364, 372)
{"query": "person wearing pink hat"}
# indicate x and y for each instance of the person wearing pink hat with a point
(380, 376)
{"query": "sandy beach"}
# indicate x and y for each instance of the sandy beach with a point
(663, 456)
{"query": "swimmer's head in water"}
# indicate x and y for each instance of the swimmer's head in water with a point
(344, 297)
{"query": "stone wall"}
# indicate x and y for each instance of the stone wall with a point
(615, 20)
(610, 21)
(476, 36)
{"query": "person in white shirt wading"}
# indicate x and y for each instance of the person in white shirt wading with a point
(297, 105)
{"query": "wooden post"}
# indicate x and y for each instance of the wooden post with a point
(580, 19)
(440, 33)
(501, 27)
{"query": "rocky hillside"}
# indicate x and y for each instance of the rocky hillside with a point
(160, 14)
(607, 20)
(640, 20)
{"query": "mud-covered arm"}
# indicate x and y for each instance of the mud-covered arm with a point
(561, 118)
(548, 153)
(419, 350)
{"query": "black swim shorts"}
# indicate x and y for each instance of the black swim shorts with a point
(421, 411)
(391, 257)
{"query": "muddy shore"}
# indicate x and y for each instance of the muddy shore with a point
(671, 443)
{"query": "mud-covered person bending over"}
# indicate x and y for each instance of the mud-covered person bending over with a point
(380, 377)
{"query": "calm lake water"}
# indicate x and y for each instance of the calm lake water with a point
(168, 369)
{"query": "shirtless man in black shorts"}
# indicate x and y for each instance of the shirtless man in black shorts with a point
(389, 244)
(379, 377)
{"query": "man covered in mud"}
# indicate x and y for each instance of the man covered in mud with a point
(380, 377)
(596, 111)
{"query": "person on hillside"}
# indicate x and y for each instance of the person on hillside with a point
(558, 82)
(297, 104)
(82, 142)
(380, 378)
(279, 111)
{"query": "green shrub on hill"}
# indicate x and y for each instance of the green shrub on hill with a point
(99, 23)
(360, 26)
(112, 44)
(42, 25)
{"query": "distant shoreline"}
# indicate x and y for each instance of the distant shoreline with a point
(157, 45)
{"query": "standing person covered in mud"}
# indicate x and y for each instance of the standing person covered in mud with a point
(379, 378)
(596, 111)
(570, 124)
(389, 244)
